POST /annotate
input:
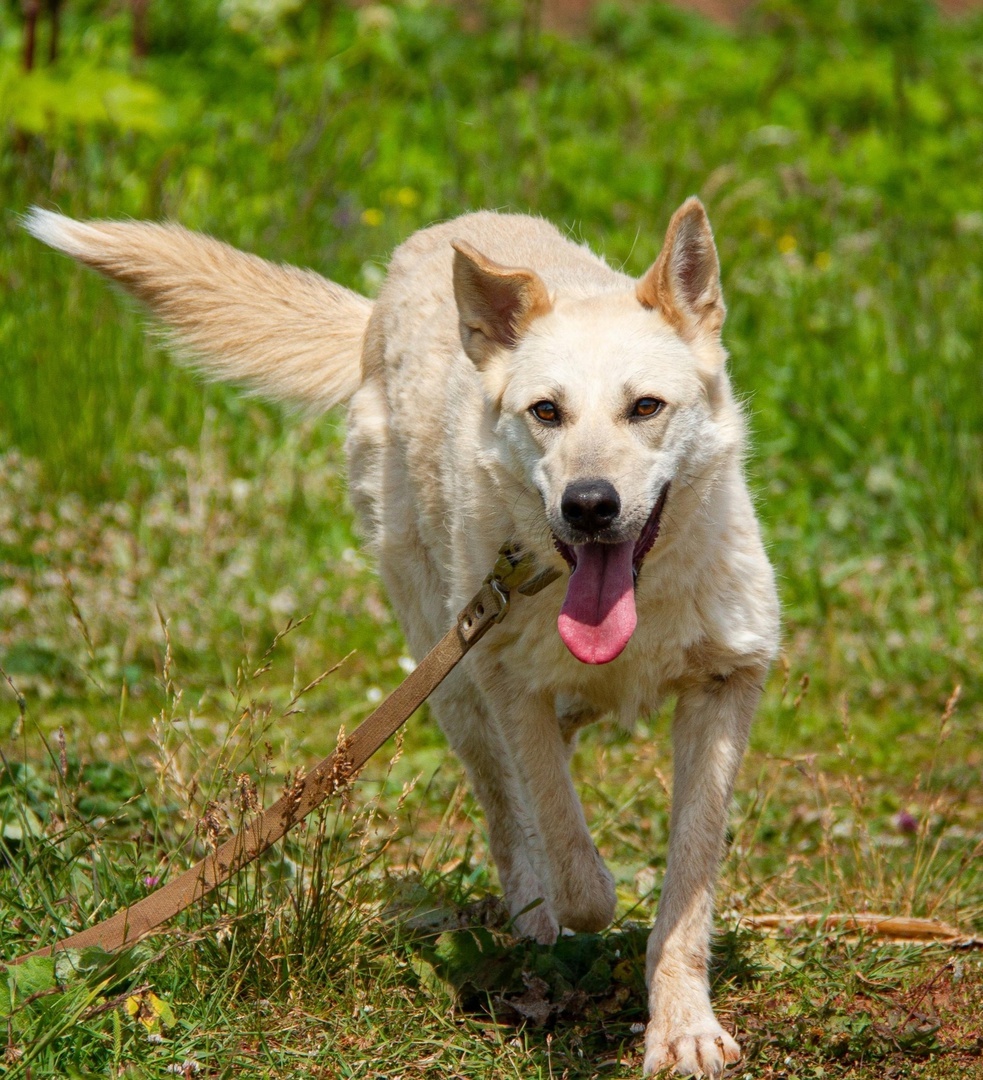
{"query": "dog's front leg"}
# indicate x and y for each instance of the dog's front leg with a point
(514, 840)
(710, 732)
(580, 888)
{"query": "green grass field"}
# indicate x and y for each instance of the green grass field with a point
(158, 538)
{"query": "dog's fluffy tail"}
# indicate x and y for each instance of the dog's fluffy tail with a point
(288, 334)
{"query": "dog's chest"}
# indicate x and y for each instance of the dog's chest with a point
(529, 649)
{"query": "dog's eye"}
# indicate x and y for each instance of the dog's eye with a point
(647, 406)
(546, 412)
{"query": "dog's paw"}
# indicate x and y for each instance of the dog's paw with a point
(585, 895)
(533, 916)
(538, 923)
(704, 1049)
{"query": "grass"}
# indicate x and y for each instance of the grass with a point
(159, 538)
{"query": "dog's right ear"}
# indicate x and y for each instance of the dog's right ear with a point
(495, 303)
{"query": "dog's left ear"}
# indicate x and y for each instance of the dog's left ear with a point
(495, 303)
(683, 283)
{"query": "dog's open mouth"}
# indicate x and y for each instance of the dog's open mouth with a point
(598, 615)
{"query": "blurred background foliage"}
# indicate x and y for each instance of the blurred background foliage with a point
(837, 144)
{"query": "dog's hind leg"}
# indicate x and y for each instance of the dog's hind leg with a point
(514, 839)
(710, 732)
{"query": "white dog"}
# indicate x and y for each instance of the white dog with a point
(509, 385)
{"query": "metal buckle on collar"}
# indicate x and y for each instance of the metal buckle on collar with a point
(503, 595)
(514, 570)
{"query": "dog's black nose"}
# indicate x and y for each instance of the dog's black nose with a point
(590, 505)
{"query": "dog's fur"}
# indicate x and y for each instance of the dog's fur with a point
(505, 383)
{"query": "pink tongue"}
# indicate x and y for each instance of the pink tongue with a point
(598, 614)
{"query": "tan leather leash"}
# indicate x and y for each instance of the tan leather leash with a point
(511, 573)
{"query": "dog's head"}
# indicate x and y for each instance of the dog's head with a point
(604, 404)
